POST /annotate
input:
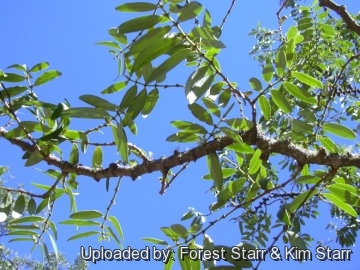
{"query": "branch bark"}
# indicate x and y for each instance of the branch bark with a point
(251, 137)
(341, 10)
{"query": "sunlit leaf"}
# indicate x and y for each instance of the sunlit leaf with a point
(339, 130)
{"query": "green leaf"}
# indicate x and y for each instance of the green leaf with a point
(180, 230)
(328, 144)
(296, 241)
(80, 222)
(342, 205)
(74, 154)
(200, 113)
(110, 44)
(16, 66)
(19, 207)
(31, 206)
(150, 37)
(265, 107)
(232, 134)
(168, 64)
(39, 67)
(151, 101)
(136, 7)
(85, 113)
(299, 93)
(214, 167)
(189, 127)
(27, 219)
(140, 23)
(307, 79)
(307, 179)
(292, 32)
(211, 106)
(98, 102)
(280, 62)
(224, 98)
(190, 10)
(121, 141)
(11, 77)
(301, 199)
(255, 162)
(339, 130)
(117, 226)
(53, 243)
(154, 50)
(281, 101)
(345, 193)
(155, 241)
(183, 137)
(255, 84)
(116, 87)
(47, 76)
(137, 105)
(301, 126)
(13, 91)
(117, 36)
(128, 97)
(97, 157)
(290, 52)
(83, 235)
(86, 214)
(267, 72)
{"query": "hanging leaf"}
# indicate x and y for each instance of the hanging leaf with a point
(307, 79)
(110, 44)
(211, 106)
(150, 37)
(200, 113)
(281, 101)
(290, 52)
(328, 144)
(140, 23)
(137, 105)
(31, 206)
(98, 102)
(299, 93)
(292, 32)
(255, 162)
(83, 235)
(342, 205)
(267, 72)
(157, 48)
(301, 200)
(339, 130)
(151, 101)
(168, 64)
(19, 207)
(189, 127)
(280, 62)
(214, 167)
(117, 226)
(255, 84)
(183, 137)
(128, 97)
(224, 98)
(265, 107)
(97, 157)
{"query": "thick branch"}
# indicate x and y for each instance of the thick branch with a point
(341, 10)
(251, 137)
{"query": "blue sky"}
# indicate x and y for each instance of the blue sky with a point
(63, 33)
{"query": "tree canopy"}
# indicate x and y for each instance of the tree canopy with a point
(276, 151)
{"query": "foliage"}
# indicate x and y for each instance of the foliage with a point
(303, 101)
(11, 260)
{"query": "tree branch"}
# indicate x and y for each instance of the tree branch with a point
(341, 10)
(251, 137)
